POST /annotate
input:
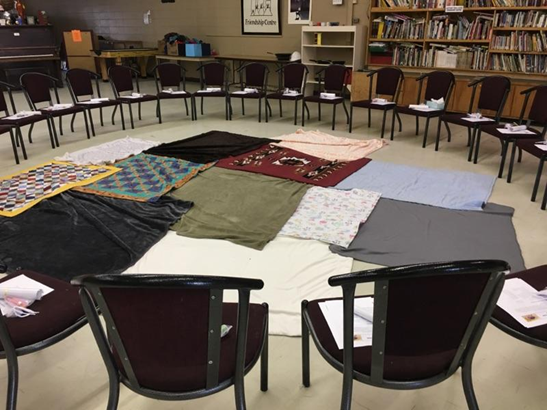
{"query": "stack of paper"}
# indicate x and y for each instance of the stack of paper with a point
(56, 107)
(18, 293)
(23, 114)
(328, 96)
(542, 145)
(524, 303)
(381, 101)
(170, 91)
(95, 100)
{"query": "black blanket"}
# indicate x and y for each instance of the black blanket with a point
(74, 234)
(209, 147)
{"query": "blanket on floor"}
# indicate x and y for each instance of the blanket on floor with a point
(75, 234)
(329, 147)
(292, 270)
(401, 233)
(244, 208)
(21, 191)
(209, 147)
(286, 163)
(443, 188)
(145, 178)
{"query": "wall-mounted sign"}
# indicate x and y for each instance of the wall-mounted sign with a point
(260, 17)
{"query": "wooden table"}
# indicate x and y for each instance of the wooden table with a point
(243, 59)
(160, 57)
(142, 55)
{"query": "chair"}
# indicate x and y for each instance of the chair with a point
(537, 336)
(440, 84)
(293, 77)
(333, 79)
(538, 115)
(124, 81)
(80, 84)
(214, 75)
(37, 90)
(61, 315)
(389, 81)
(162, 337)
(423, 328)
(170, 75)
(252, 75)
(492, 97)
(6, 124)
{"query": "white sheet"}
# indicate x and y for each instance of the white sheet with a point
(292, 270)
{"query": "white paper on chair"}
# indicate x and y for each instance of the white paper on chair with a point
(524, 303)
(328, 96)
(240, 92)
(210, 90)
(56, 107)
(422, 107)
(482, 119)
(333, 311)
(508, 131)
(25, 285)
(22, 114)
(95, 101)
(382, 102)
(542, 146)
(170, 91)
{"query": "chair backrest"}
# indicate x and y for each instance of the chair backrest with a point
(388, 80)
(493, 94)
(428, 316)
(121, 78)
(439, 85)
(80, 82)
(37, 87)
(3, 102)
(255, 75)
(538, 111)
(164, 330)
(170, 75)
(213, 74)
(294, 75)
(335, 78)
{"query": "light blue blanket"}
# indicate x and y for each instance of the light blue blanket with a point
(442, 188)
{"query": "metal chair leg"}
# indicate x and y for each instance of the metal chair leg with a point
(186, 106)
(424, 144)
(449, 132)
(503, 156)
(114, 113)
(122, 117)
(369, 117)
(383, 124)
(30, 133)
(399, 121)
(159, 111)
(467, 381)
(438, 134)
(295, 111)
(51, 135)
(266, 108)
(264, 356)
(305, 348)
(19, 136)
(520, 155)
(91, 123)
(61, 125)
(346, 111)
(281, 108)
(477, 147)
(202, 105)
(417, 125)
(14, 146)
(512, 162)
(303, 113)
(538, 179)
(393, 124)
(55, 136)
(544, 203)
(319, 111)
(101, 115)
(131, 116)
(243, 106)
(84, 112)
(333, 116)
(308, 112)
(350, 117)
(471, 144)
(72, 122)
(259, 110)
(140, 116)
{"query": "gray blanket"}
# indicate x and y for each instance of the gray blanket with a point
(401, 233)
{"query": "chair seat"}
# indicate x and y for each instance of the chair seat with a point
(144, 98)
(21, 122)
(369, 104)
(318, 99)
(4, 129)
(281, 96)
(254, 96)
(529, 146)
(426, 114)
(170, 96)
(65, 111)
(492, 129)
(537, 278)
(211, 94)
(101, 104)
(458, 119)
(396, 368)
(59, 310)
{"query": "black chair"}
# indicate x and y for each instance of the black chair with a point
(537, 336)
(332, 79)
(61, 315)
(440, 84)
(294, 78)
(214, 75)
(537, 115)
(162, 338)
(7, 124)
(252, 75)
(389, 81)
(124, 81)
(492, 97)
(37, 91)
(169, 76)
(423, 328)
(80, 84)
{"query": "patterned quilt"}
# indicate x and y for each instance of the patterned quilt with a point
(145, 178)
(19, 192)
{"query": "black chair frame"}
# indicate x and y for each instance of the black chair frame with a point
(263, 91)
(51, 122)
(473, 128)
(90, 107)
(90, 292)
(340, 93)
(382, 278)
(135, 77)
(384, 108)
(183, 78)
(225, 88)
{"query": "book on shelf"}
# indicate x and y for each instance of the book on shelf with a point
(459, 27)
(520, 41)
(413, 4)
(524, 19)
(519, 63)
(459, 57)
(398, 26)
(505, 3)
(407, 54)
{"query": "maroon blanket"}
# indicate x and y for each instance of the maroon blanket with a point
(287, 163)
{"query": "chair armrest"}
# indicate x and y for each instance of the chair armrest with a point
(529, 90)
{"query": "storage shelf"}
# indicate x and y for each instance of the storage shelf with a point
(409, 10)
(325, 46)
(517, 52)
(520, 28)
(433, 40)
(396, 40)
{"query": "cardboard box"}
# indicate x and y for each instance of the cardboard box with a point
(161, 47)
(176, 49)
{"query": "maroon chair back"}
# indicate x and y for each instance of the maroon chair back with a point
(335, 78)
(121, 78)
(255, 75)
(439, 84)
(80, 81)
(37, 87)
(493, 92)
(387, 80)
(293, 75)
(3, 103)
(169, 74)
(213, 74)
(538, 111)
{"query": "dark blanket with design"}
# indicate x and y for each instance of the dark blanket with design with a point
(290, 164)
(209, 147)
(74, 234)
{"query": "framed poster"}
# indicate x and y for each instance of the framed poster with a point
(299, 11)
(259, 17)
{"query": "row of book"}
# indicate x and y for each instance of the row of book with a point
(439, 4)
(519, 63)
(398, 26)
(407, 54)
(505, 3)
(521, 19)
(460, 28)
(521, 41)
(414, 4)
(469, 58)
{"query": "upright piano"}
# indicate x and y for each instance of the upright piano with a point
(28, 48)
